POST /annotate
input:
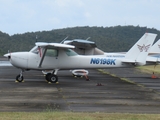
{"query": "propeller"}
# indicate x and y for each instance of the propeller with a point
(8, 55)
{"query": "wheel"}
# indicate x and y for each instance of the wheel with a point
(47, 76)
(19, 78)
(53, 78)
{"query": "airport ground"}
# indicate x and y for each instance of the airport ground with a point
(137, 93)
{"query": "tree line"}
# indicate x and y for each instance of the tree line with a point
(109, 39)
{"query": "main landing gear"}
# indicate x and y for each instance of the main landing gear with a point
(52, 77)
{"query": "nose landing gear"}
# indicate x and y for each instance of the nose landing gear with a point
(19, 78)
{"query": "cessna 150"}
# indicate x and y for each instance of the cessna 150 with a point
(56, 56)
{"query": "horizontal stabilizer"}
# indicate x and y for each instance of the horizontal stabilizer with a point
(128, 61)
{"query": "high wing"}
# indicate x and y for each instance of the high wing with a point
(56, 45)
(85, 47)
(80, 43)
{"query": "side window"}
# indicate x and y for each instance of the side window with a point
(70, 52)
(52, 52)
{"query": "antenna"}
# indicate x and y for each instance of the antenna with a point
(88, 38)
(63, 40)
(36, 38)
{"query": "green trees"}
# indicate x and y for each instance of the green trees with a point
(109, 39)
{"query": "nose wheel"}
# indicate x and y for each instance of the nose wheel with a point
(19, 78)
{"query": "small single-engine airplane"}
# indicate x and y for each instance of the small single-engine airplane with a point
(56, 56)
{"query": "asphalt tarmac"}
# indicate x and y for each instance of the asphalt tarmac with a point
(102, 93)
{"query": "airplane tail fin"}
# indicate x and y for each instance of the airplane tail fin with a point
(139, 52)
(155, 48)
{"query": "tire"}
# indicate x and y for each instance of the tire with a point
(19, 79)
(47, 76)
(53, 78)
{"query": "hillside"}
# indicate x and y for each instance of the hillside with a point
(109, 39)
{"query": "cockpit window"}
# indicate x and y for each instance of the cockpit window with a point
(51, 53)
(70, 52)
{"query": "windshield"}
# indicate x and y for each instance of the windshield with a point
(34, 50)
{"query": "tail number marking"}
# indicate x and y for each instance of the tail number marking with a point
(103, 61)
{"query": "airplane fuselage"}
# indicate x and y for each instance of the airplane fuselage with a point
(29, 60)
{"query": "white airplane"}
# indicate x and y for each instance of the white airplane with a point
(56, 56)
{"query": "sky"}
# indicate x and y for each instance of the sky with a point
(21, 16)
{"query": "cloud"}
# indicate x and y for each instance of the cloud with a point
(19, 16)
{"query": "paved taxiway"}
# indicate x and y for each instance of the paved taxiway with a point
(77, 94)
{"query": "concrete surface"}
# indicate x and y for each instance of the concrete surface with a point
(79, 95)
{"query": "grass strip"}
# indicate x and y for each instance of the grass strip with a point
(75, 116)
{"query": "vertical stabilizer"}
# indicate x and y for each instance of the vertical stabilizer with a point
(155, 48)
(139, 51)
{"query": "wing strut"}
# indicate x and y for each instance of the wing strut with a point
(42, 58)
